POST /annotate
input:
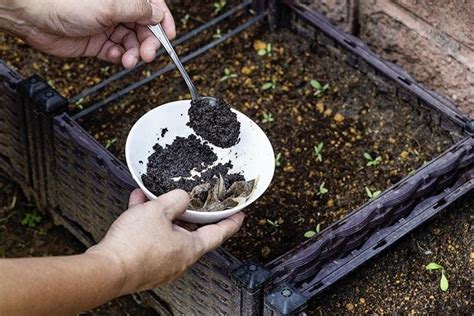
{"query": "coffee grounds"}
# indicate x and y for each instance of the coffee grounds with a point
(215, 123)
(178, 159)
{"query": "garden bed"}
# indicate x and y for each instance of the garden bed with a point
(369, 108)
(312, 188)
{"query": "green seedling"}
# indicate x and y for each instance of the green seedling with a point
(443, 282)
(267, 117)
(269, 85)
(312, 233)
(318, 149)
(273, 223)
(371, 161)
(185, 20)
(265, 51)
(110, 142)
(51, 83)
(320, 89)
(31, 219)
(228, 75)
(322, 189)
(217, 34)
(79, 103)
(105, 70)
(278, 160)
(219, 5)
(372, 194)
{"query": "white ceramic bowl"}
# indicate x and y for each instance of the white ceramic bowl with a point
(255, 153)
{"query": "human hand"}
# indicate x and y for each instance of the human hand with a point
(112, 30)
(150, 249)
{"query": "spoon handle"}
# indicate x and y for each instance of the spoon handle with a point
(158, 31)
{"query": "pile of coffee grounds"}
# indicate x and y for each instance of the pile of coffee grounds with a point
(215, 122)
(178, 159)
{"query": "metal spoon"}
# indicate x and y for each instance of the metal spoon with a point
(158, 31)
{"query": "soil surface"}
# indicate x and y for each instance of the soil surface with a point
(214, 122)
(322, 137)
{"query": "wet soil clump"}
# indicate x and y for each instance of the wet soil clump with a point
(170, 167)
(216, 123)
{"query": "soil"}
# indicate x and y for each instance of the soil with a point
(178, 160)
(351, 118)
(214, 122)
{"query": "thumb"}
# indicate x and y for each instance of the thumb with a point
(136, 11)
(172, 204)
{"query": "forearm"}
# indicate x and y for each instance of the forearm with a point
(59, 285)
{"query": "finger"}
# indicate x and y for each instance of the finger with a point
(149, 44)
(140, 11)
(132, 47)
(168, 23)
(188, 226)
(172, 204)
(212, 236)
(136, 197)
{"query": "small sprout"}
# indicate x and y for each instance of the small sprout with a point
(31, 219)
(273, 223)
(278, 160)
(322, 189)
(372, 194)
(217, 34)
(267, 117)
(147, 73)
(269, 85)
(371, 161)
(265, 51)
(443, 282)
(228, 75)
(312, 233)
(185, 19)
(219, 5)
(110, 142)
(51, 83)
(318, 149)
(105, 70)
(79, 103)
(320, 89)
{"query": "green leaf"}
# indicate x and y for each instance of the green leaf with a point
(227, 71)
(376, 194)
(318, 228)
(309, 234)
(368, 156)
(261, 52)
(325, 87)
(320, 147)
(433, 266)
(269, 47)
(443, 283)
(315, 84)
(267, 86)
(369, 193)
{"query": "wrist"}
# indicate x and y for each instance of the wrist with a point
(12, 17)
(114, 265)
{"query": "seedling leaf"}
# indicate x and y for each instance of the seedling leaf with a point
(262, 52)
(368, 156)
(267, 86)
(433, 266)
(309, 234)
(315, 84)
(443, 283)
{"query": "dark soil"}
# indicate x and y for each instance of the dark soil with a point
(214, 122)
(178, 159)
(350, 118)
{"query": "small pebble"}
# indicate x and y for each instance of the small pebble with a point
(338, 117)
